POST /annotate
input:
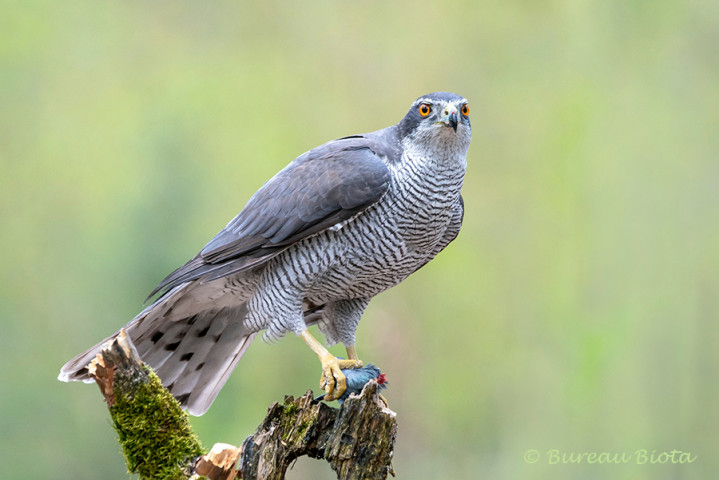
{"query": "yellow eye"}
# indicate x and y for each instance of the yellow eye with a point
(424, 109)
(465, 109)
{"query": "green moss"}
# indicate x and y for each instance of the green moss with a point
(154, 432)
(290, 408)
(293, 421)
(302, 428)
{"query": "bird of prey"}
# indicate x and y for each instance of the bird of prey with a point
(340, 224)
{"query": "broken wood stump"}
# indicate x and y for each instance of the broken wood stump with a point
(357, 440)
(153, 430)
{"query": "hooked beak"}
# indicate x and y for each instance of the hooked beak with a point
(451, 117)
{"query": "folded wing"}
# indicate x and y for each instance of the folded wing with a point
(325, 186)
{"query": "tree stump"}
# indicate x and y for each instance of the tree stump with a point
(357, 439)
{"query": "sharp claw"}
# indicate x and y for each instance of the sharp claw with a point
(333, 380)
(329, 381)
(341, 385)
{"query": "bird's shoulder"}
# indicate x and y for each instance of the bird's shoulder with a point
(384, 143)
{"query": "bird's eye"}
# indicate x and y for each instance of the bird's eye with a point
(424, 109)
(465, 109)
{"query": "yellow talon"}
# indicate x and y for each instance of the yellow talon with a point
(353, 361)
(349, 363)
(333, 381)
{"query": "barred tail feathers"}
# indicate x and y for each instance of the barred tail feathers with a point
(192, 354)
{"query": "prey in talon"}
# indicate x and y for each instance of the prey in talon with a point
(340, 224)
(356, 379)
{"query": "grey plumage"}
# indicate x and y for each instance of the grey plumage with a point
(340, 224)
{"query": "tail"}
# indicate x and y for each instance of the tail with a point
(193, 352)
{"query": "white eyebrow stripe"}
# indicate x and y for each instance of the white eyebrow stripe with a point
(434, 102)
(422, 100)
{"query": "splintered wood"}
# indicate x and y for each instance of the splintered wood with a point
(120, 353)
(219, 463)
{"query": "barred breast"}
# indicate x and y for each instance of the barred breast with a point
(382, 247)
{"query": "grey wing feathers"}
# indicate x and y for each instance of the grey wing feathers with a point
(325, 186)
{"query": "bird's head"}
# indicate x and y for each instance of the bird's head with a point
(439, 118)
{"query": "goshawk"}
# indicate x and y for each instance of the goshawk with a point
(340, 224)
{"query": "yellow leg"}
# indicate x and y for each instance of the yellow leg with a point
(352, 355)
(333, 381)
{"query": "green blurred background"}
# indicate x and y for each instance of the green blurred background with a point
(576, 311)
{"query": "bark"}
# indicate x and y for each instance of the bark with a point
(154, 431)
(357, 439)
